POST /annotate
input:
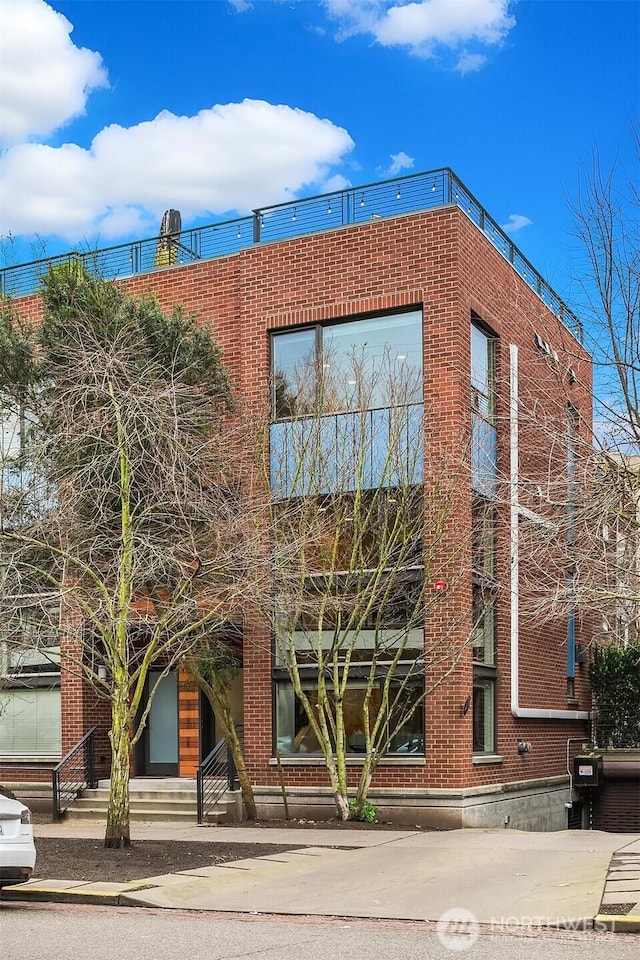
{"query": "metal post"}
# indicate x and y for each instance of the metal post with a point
(199, 798)
(232, 773)
(55, 792)
(256, 226)
(91, 764)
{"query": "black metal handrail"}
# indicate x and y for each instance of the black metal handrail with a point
(327, 211)
(75, 772)
(215, 775)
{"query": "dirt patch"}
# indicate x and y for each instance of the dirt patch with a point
(73, 859)
(61, 858)
(333, 824)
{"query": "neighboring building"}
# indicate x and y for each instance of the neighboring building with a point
(30, 712)
(617, 566)
(415, 262)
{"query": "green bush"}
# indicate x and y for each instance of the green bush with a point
(368, 813)
(614, 674)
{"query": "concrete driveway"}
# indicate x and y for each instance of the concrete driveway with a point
(500, 877)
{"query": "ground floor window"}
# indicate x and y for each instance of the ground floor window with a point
(484, 713)
(30, 680)
(30, 722)
(484, 666)
(295, 736)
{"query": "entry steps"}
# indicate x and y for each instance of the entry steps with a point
(152, 799)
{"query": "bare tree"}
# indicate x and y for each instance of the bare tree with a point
(579, 487)
(363, 523)
(125, 505)
(214, 664)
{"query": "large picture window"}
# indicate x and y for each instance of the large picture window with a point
(368, 363)
(347, 463)
(295, 736)
(375, 652)
(347, 406)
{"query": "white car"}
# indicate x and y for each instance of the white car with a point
(17, 849)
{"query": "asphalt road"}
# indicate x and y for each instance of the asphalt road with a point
(63, 932)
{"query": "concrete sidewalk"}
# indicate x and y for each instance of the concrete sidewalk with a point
(502, 878)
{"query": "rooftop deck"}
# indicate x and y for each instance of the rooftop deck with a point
(388, 198)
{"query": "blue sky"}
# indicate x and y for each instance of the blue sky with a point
(114, 110)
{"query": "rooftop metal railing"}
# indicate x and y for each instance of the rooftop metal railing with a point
(284, 221)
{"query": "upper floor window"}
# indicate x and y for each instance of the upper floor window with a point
(484, 481)
(482, 373)
(362, 364)
(484, 434)
(29, 643)
(13, 441)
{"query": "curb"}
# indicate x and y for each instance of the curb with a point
(120, 898)
(617, 923)
(110, 898)
(614, 923)
(61, 896)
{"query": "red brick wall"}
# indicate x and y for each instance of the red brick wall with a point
(439, 261)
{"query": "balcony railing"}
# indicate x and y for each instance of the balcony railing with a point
(388, 198)
(356, 450)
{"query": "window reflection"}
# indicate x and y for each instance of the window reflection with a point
(367, 450)
(295, 734)
(355, 365)
(293, 356)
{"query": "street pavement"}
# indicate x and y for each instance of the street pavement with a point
(500, 878)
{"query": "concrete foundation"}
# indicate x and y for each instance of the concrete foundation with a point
(526, 805)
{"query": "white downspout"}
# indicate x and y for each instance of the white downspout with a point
(523, 713)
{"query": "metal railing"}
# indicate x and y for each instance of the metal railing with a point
(374, 201)
(215, 775)
(75, 772)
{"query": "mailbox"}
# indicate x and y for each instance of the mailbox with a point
(588, 770)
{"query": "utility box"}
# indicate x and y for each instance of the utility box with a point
(588, 770)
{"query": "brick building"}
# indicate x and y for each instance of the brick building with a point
(421, 264)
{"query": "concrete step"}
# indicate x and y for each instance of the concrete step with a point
(172, 800)
(147, 796)
(218, 815)
(156, 784)
(167, 806)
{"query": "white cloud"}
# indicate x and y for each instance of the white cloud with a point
(470, 62)
(45, 79)
(424, 25)
(516, 222)
(229, 158)
(336, 184)
(400, 161)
